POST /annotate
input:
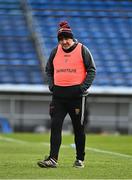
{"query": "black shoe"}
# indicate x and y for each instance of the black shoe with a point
(47, 163)
(78, 164)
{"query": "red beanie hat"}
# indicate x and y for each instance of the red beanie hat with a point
(64, 30)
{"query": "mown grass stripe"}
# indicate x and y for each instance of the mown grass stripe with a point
(66, 146)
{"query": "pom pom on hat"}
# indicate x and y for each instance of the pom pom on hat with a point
(64, 26)
(64, 30)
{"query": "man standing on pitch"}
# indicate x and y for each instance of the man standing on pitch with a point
(71, 71)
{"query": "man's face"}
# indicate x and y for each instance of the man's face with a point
(66, 43)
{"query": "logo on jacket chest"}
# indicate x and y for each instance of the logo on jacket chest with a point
(66, 57)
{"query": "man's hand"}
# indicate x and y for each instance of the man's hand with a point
(51, 88)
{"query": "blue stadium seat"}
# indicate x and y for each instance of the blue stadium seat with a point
(18, 58)
(103, 26)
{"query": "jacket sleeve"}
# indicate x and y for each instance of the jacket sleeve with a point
(50, 69)
(90, 68)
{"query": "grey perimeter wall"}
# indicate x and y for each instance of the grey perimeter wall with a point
(30, 112)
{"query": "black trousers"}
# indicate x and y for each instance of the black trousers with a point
(58, 110)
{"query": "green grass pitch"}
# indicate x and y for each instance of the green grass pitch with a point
(107, 157)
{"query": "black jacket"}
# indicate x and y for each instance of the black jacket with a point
(72, 91)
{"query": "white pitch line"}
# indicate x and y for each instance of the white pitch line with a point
(70, 146)
(12, 140)
(108, 152)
